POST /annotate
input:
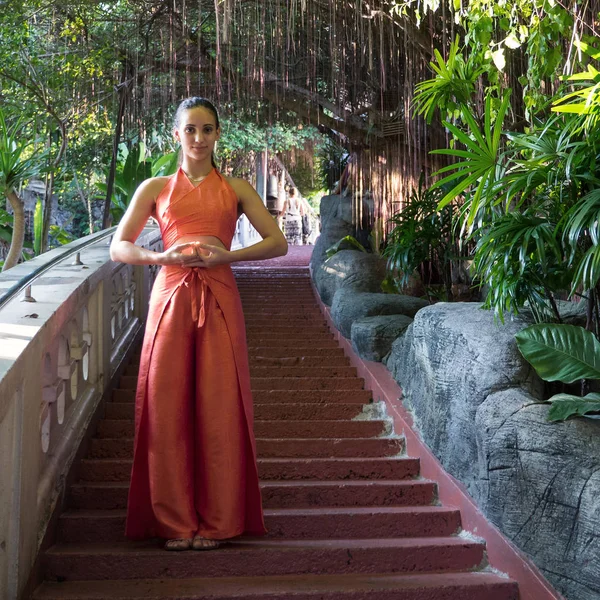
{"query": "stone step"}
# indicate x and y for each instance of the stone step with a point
(270, 448)
(268, 317)
(430, 586)
(307, 383)
(293, 348)
(284, 494)
(283, 371)
(279, 469)
(129, 382)
(276, 340)
(264, 557)
(284, 396)
(303, 371)
(299, 361)
(290, 523)
(288, 331)
(275, 429)
(269, 412)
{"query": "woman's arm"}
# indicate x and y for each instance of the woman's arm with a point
(273, 242)
(123, 249)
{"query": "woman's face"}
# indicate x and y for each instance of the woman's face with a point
(198, 133)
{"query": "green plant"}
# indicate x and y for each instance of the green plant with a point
(422, 238)
(348, 242)
(565, 353)
(133, 168)
(18, 163)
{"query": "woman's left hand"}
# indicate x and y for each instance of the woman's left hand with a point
(209, 256)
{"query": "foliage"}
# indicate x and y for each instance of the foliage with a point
(133, 167)
(564, 353)
(348, 242)
(18, 160)
(453, 86)
(422, 234)
(37, 228)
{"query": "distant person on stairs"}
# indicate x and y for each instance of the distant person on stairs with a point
(194, 480)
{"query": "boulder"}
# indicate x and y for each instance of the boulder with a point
(452, 357)
(539, 482)
(348, 306)
(353, 269)
(337, 222)
(372, 337)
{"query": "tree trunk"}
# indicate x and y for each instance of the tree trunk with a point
(18, 234)
(62, 128)
(106, 220)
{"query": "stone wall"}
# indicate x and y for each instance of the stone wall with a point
(476, 403)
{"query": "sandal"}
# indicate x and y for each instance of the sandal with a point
(178, 544)
(202, 543)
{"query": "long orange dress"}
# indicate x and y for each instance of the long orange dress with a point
(194, 467)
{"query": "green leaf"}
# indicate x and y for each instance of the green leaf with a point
(38, 221)
(567, 405)
(560, 352)
(352, 241)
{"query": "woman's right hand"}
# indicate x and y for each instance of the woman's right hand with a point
(177, 255)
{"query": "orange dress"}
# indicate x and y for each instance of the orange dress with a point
(194, 467)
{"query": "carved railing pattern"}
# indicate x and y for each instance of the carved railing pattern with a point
(58, 353)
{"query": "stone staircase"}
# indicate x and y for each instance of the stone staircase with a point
(349, 518)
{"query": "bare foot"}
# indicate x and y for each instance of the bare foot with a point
(178, 544)
(202, 543)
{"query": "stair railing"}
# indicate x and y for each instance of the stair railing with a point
(67, 318)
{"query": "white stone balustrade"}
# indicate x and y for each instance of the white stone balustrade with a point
(59, 352)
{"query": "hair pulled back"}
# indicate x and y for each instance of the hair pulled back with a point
(197, 102)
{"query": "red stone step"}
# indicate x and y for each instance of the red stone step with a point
(282, 469)
(275, 429)
(129, 382)
(290, 523)
(283, 494)
(270, 340)
(302, 371)
(284, 396)
(430, 586)
(307, 383)
(69, 562)
(288, 331)
(292, 348)
(304, 361)
(270, 411)
(269, 448)
(291, 371)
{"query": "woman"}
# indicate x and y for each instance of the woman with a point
(293, 211)
(194, 480)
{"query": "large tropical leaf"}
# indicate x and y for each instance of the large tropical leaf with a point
(479, 168)
(567, 405)
(560, 352)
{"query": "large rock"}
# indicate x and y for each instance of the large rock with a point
(372, 337)
(337, 222)
(348, 306)
(450, 360)
(353, 269)
(540, 484)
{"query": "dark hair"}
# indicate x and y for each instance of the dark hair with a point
(197, 102)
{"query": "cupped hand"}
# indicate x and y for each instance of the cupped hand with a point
(181, 255)
(195, 254)
(211, 256)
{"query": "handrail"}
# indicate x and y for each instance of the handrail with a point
(68, 250)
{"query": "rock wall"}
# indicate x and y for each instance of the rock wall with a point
(475, 401)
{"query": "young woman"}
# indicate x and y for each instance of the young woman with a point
(194, 479)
